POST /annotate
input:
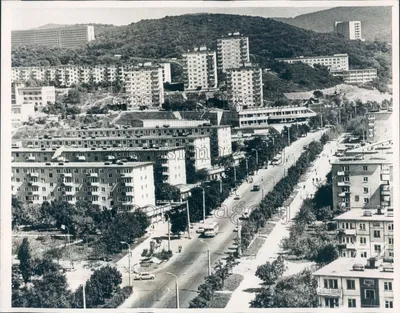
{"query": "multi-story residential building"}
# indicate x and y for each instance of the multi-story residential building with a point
(197, 146)
(244, 86)
(166, 72)
(122, 185)
(357, 76)
(336, 62)
(145, 85)
(63, 37)
(38, 96)
(380, 126)
(266, 116)
(232, 51)
(349, 30)
(365, 234)
(355, 283)
(169, 160)
(362, 179)
(200, 69)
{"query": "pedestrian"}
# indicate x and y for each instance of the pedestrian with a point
(313, 180)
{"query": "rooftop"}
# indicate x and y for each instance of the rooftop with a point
(376, 158)
(343, 267)
(79, 165)
(358, 214)
(121, 149)
(314, 57)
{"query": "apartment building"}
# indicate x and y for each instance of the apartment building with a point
(166, 70)
(355, 283)
(350, 30)
(357, 76)
(244, 86)
(170, 160)
(200, 69)
(363, 178)
(144, 83)
(336, 62)
(365, 234)
(62, 37)
(256, 117)
(122, 185)
(380, 126)
(197, 146)
(232, 51)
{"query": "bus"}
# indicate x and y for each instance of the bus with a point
(211, 229)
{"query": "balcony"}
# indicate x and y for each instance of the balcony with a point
(126, 174)
(30, 159)
(385, 203)
(66, 175)
(329, 292)
(93, 175)
(68, 193)
(93, 183)
(351, 246)
(127, 193)
(371, 123)
(34, 174)
(371, 118)
(342, 194)
(350, 232)
(385, 190)
(81, 158)
(385, 171)
(68, 183)
(341, 173)
(343, 183)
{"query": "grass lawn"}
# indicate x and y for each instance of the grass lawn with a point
(232, 282)
(220, 300)
(255, 247)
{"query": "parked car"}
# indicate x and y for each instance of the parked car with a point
(200, 230)
(238, 197)
(144, 276)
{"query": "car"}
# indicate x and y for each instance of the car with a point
(237, 197)
(144, 276)
(200, 230)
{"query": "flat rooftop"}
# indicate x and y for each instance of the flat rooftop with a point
(376, 158)
(358, 214)
(78, 165)
(146, 128)
(343, 267)
(120, 149)
(315, 57)
(116, 138)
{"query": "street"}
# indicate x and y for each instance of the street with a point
(191, 265)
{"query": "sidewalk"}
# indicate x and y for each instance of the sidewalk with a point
(243, 295)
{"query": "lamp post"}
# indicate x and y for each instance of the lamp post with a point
(220, 185)
(209, 256)
(188, 218)
(247, 167)
(204, 205)
(129, 260)
(69, 242)
(177, 288)
(84, 294)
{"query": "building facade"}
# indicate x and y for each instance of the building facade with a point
(355, 283)
(145, 86)
(200, 69)
(336, 62)
(244, 86)
(232, 51)
(363, 179)
(62, 37)
(380, 126)
(350, 30)
(364, 234)
(108, 185)
(358, 76)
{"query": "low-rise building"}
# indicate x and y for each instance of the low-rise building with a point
(355, 283)
(362, 179)
(122, 185)
(37, 96)
(334, 62)
(357, 76)
(365, 234)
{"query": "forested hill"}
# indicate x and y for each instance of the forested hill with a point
(171, 36)
(376, 22)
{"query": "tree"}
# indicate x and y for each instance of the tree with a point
(222, 272)
(206, 292)
(198, 303)
(165, 191)
(44, 266)
(267, 273)
(73, 96)
(318, 94)
(178, 222)
(263, 299)
(327, 254)
(214, 281)
(25, 262)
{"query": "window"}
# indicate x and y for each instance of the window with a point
(377, 234)
(377, 248)
(366, 200)
(365, 168)
(356, 198)
(363, 240)
(351, 284)
(389, 304)
(365, 190)
(362, 226)
(363, 254)
(390, 226)
(351, 303)
(370, 294)
(387, 285)
(391, 241)
(365, 179)
(331, 283)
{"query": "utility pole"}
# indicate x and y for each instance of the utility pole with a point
(84, 294)
(204, 205)
(188, 218)
(169, 235)
(177, 288)
(234, 172)
(247, 166)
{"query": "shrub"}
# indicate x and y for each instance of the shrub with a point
(119, 297)
(145, 252)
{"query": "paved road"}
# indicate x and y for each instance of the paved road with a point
(191, 265)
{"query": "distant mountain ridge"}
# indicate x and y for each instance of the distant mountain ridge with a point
(376, 22)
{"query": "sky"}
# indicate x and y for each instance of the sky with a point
(26, 18)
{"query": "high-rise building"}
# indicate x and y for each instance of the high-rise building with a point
(244, 86)
(200, 69)
(63, 37)
(232, 51)
(350, 30)
(145, 84)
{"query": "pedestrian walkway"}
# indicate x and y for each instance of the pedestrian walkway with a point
(244, 294)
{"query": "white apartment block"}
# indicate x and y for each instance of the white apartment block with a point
(363, 178)
(355, 283)
(336, 62)
(380, 126)
(365, 234)
(166, 72)
(244, 86)
(170, 160)
(197, 146)
(357, 76)
(200, 69)
(145, 86)
(232, 51)
(349, 30)
(63, 37)
(108, 185)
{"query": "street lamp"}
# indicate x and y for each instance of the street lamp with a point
(209, 256)
(220, 185)
(256, 157)
(204, 205)
(177, 288)
(129, 260)
(69, 242)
